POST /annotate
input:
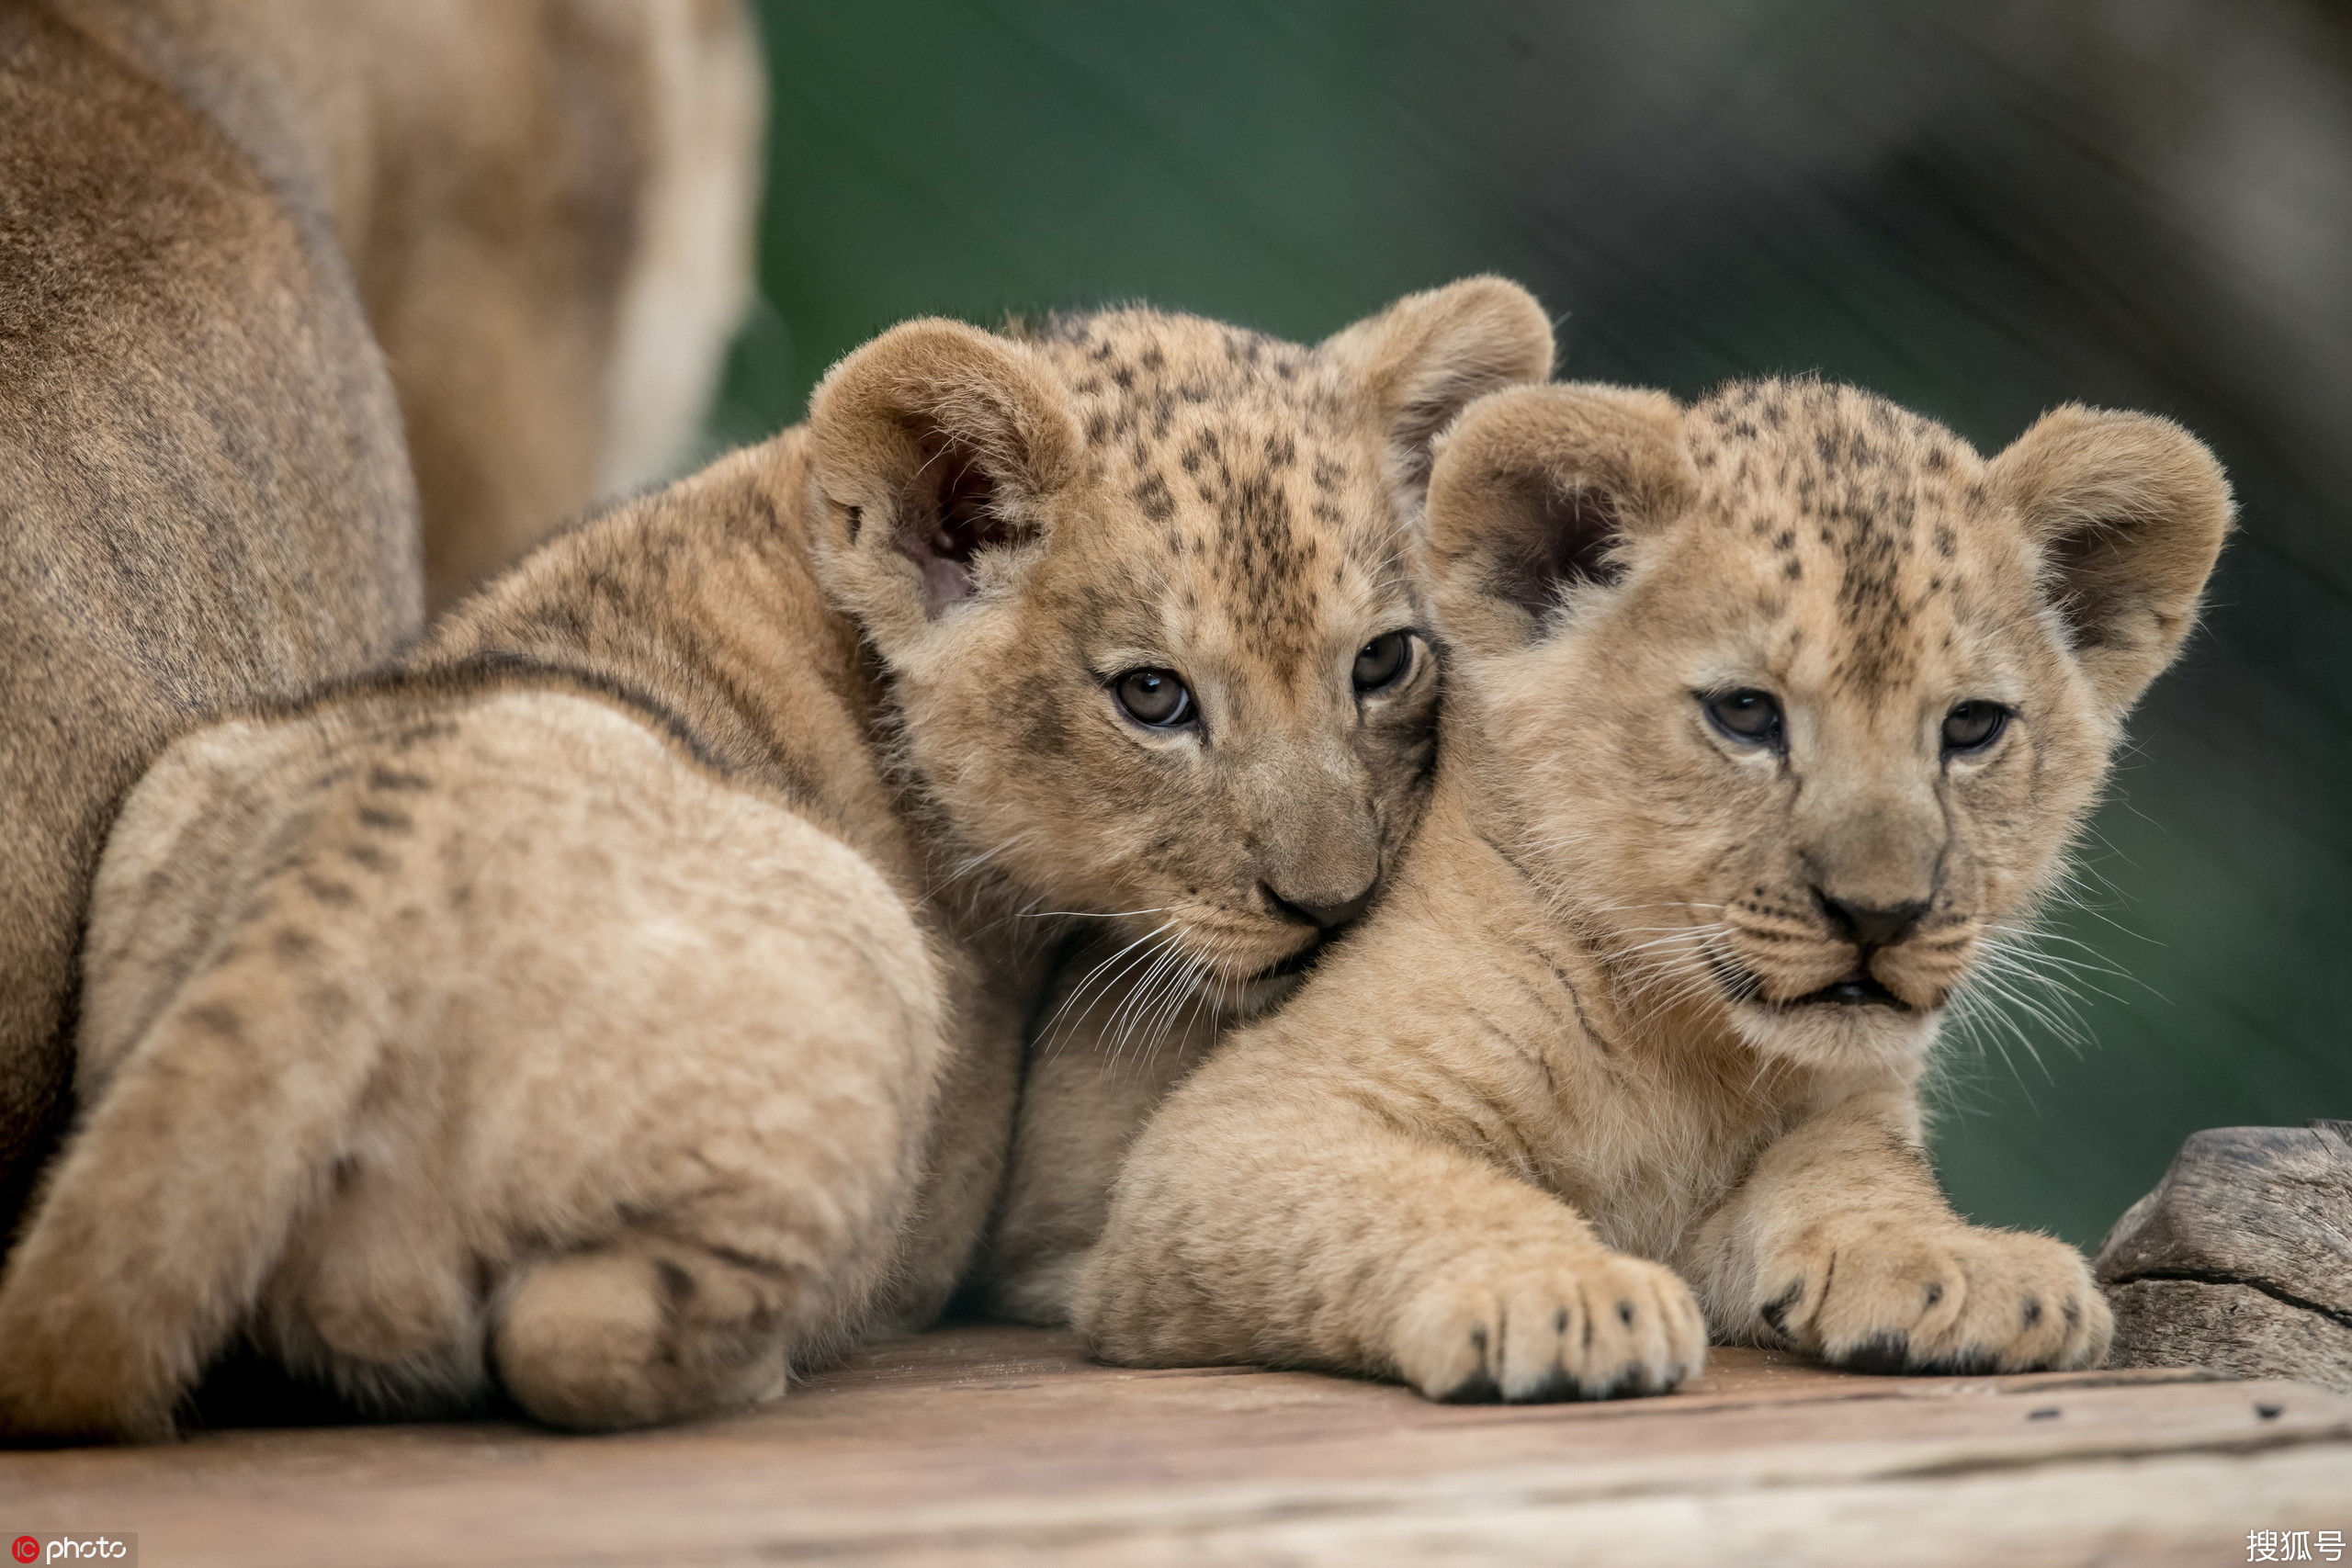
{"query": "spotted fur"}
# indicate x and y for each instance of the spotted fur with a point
(619, 1002)
(1629, 1054)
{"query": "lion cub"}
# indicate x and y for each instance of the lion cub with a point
(620, 1002)
(1765, 719)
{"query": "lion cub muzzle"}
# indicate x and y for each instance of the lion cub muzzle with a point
(1871, 905)
(1839, 952)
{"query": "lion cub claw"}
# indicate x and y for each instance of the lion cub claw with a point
(1875, 1294)
(1583, 1324)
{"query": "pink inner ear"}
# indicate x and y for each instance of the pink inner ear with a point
(952, 516)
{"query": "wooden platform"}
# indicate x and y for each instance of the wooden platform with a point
(996, 1445)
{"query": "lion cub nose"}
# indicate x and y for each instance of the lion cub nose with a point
(1868, 926)
(1326, 916)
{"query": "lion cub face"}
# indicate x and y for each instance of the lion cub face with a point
(1148, 590)
(1798, 698)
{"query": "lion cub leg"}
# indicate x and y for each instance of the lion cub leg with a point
(1840, 1245)
(1094, 1076)
(378, 1293)
(753, 1242)
(646, 1329)
(139, 1266)
(1256, 1221)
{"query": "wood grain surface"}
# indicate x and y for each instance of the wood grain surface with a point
(2237, 1261)
(997, 1445)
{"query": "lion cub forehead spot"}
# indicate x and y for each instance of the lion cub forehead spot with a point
(1863, 526)
(1272, 604)
(1118, 353)
(1256, 518)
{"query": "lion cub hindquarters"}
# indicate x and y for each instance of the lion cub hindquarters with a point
(506, 988)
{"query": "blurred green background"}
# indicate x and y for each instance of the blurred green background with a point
(1980, 209)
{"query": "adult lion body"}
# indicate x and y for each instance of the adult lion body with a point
(620, 1000)
(1768, 718)
(217, 219)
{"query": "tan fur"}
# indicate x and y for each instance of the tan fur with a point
(1120, 1030)
(547, 207)
(1132, 1008)
(203, 494)
(1585, 1051)
(245, 243)
(621, 1002)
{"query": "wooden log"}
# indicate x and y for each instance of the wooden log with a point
(2241, 1260)
(980, 1446)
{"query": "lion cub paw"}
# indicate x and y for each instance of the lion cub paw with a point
(1527, 1329)
(1889, 1296)
(635, 1333)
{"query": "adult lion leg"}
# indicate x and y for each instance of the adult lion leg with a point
(1840, 1245)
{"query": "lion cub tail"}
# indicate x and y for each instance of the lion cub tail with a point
(173, 1200)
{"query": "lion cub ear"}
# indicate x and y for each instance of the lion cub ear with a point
(935, 445)
(1534, 492)
(1425, 357)
(2129, 511)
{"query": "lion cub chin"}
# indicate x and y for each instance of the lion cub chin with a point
(1768, 721)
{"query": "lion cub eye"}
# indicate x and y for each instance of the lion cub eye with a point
(1747, 715)
(1157, 697)
(1384, 660)
(1974, 725)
